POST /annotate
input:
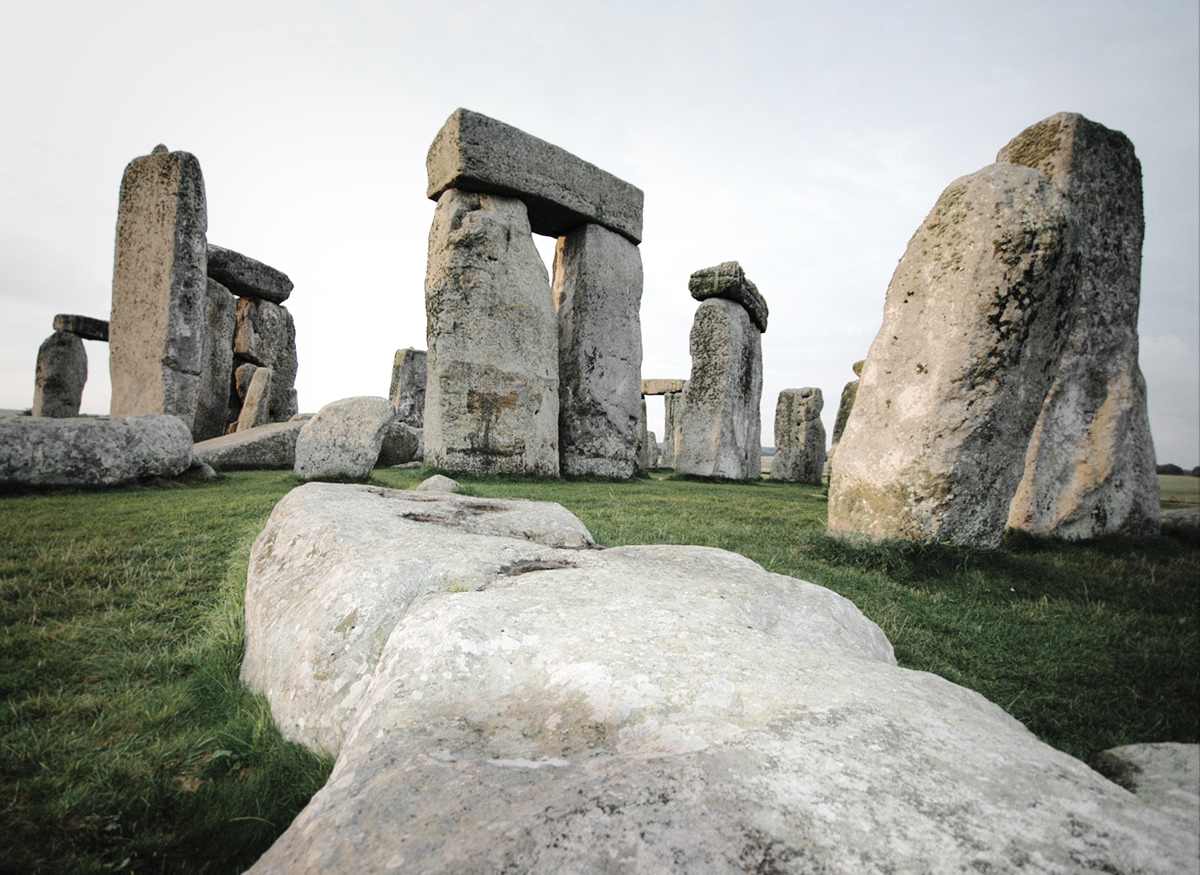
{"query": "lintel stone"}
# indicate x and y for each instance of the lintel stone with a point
(661, 387)
(83, 326)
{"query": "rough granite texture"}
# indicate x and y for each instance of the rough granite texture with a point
(727, 280)
(246, 277)
(475, 153)
(85, 326)
(799, 436)
(975, 321)
(266, 447)
(407, 389)
(61, 374)
(343, 440)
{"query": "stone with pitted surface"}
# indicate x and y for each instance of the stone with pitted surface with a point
(220, 322)
(728, 280)
(246, 277)
(799, 436)
(85, 326)
(61, 374)
(407, 390)
(343, 440)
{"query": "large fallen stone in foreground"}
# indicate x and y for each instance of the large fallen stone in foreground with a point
(475, 153)
(267, 446)
(344, 438)
(92, 450)
(500, 703)
(974, 324)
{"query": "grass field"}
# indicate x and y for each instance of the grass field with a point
(127, 743)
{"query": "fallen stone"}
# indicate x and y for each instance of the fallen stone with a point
(156, 332)
(598, 295)
(85, 326)
(974, 323)
(1165, 776)
(407, 391)
(1089, 470)
(721, 433)
(62, 370)
(661, 387)
(799, 437)
(439, 483)
(1182, 523)
(475, 153)
(256, 408)
(344, 438)
(270, 446)
(202, 470)
(246, 277)
(491, 401)
(216, 363)
(401, 443)
(728, 281)
(92, 450)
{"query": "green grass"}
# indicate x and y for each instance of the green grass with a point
(1178, 490)
(127, 743)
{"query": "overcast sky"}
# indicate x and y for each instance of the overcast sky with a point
(807, 140)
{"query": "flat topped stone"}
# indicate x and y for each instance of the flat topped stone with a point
(661, 387)
(476, 153)
(727, 280)
(83, 326)
(247, 277)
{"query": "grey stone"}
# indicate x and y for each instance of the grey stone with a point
(1183, 522)
(1089, 470)
(266, 336)
(92, 450)
(270, 446)
(721, 433)
(799, 436)
(243, 376)
(439, 483)
(598, 294)
(642, 456)
(407, 390)
(401, 443)
(61, 374)
(845, 405)
(661, 387)
(491, 402)
(672, 425)
(256, 409)
(1165, 776)
(156, 331)
(727, 280)
(85, 326)
(475, 153)
(344, 438)
(246, 277)
(202, 470)
(974, 323)
(651, 450)
(212, 403)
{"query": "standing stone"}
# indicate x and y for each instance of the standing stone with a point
(159, 280)
(598, 295)
(212, 404)
(974, 324)
(402, 443)
(727, 280)
(266, 336)
(799, 436)
(344, 439)
(246, 277)
(1089, 470)
(60, 377)
(651, 450)
(85, 326)
(256, 410)
(491, 404)
(672, 425)
(846, 404)
(642, 456)
(721, 431)
(407, 391)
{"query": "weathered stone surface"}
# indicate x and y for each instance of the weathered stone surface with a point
(407, 390)
(598, 294)
(845, 405)
(475, 153)
(721, 434)
(672, 425)
(1183, 522)
(91, 450)
(256, 409)
(246, 277)
(1165, 776)
(651, 450)
(344, 438)
(727, 280)
(266, 336)
(799, 436)
(156, 329)
(266, 447)
(401, 443)
(61, 374)
(439, 483)
(1090, 465)
(642, 454)
(498, 703)
(243, 376)
(216, 363)
(974, 324)
(661, 387)
(491, 402)
(85, 326)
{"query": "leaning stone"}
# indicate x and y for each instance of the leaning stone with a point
(246, 277)
(85, 326)
(344, 438)
(721, 433)
(92, 450)
(243, 376)
(401, 443)
(407, 391)
(491, 401)
(440, 483)
(61, 374)
(598, 295)
(256, 410)
(475, 153)
(974, 323)
(661, 387)
(799, 437)
(212, 403)
(727, 280)
(270, 446)
(156, 332)
(1089, 470)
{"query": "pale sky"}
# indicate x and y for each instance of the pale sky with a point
(805, 141)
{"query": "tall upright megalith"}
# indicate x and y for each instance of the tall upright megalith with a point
(216, 362)
(159, 283)
(799, 436)
(975, 321)
(1090, 467)
(61, 375)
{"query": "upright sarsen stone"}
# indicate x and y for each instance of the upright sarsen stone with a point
(216, 367)
(491, 403)
(407, 391)
(1090, 468)
(672, 424)
(159, 281)
(799, 436)
(598, 295)
(60, 377)
(975, 321)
